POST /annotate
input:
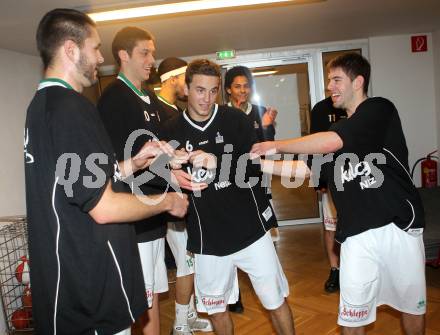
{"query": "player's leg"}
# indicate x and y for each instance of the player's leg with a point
(353, 331)
(360, 283)
(332, 249)
(413, 324)
(151, 320)
(216, 285)
(261, 263)
(222, 323)
(282, 319)
(404, 285)
(186, 314)
(155, 277)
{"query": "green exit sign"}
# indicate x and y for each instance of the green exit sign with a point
(225, 54)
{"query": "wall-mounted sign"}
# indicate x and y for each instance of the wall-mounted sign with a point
(419, 43)
(225, 54)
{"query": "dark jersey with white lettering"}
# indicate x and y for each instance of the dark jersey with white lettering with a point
(323, 115)
(86, 277)
(124, 111)
(369, 177)
(233, 212)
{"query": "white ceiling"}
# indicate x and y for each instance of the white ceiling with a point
(243, 29)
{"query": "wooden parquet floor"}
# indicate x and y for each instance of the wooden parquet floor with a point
(302, 256)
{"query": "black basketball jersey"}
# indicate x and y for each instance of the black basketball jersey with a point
(167, 110)
(369, 176)
(126, 110)
(85, 276)
(323, 115)
(233, 212)
(254, 114)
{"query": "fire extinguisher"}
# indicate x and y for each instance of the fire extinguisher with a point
(429, 172)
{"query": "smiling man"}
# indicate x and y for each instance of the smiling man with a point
(125, 107)
(229, 222)
(380, 215)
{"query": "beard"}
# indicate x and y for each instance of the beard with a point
(86, 70)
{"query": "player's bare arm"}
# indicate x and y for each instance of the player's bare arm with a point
(124, 207)
(288, 169)
(319, 143)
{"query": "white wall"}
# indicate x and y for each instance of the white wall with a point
(436, 45)
(407, 79)
(20, 75)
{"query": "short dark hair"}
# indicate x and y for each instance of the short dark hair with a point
(237, 71)
(126, 39)
(203, 67)
(353, 65)
(58, 26)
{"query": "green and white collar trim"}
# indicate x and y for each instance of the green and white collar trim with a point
(248, 108)
(49, 82)
(141, 94)
(167, 103)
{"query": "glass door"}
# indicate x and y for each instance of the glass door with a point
(285, 85)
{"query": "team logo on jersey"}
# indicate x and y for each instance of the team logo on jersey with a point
(28, 158)
(200, 175)
(362, 169)
(219, 138)
(147, 116)
(222, 184)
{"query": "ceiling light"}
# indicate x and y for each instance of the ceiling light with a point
(172, 8)
(263, 73)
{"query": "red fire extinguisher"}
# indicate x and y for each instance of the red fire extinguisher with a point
(429, 172)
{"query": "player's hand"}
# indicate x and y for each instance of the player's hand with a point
(184, 180)
(180, 157)
(200, 159)
(263, 149)
(178, 204)
(269, 117)
(149, 151)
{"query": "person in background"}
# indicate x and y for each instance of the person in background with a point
(323, 115)
(239, 85)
